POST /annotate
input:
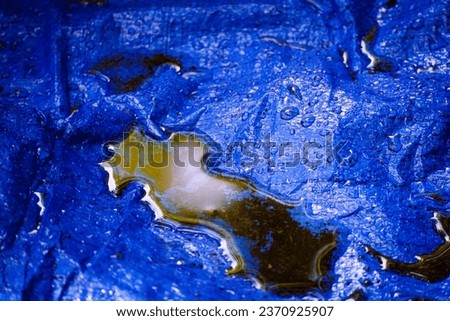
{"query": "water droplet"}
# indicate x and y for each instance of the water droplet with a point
(392, 113)
(244, 116)
(131, 31)
(292, 131)
(296, 91)
(308, 120)
(316, 81)
(337, 109)
(289, 112)
(418, 23)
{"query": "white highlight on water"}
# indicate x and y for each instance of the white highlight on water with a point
(369, 55)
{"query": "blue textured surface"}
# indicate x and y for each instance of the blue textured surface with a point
(240, 61)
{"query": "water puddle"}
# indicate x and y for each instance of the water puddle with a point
(257, 231)
(433, 267)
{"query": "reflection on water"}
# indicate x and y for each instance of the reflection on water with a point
(260, 235)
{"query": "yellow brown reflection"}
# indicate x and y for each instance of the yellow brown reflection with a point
(259, 232)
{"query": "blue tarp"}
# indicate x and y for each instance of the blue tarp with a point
(366, 82)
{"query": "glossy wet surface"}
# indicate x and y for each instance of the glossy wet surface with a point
(344, 105)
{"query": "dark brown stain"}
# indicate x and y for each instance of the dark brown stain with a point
(110, 62)
(391, 3)
(158, 60)
(370, 36)
(145, 69)
(437, 198)
(74, 108)
(382, 66)
(432, 267)
(357, 295)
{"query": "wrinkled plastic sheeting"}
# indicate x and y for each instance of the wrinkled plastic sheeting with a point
(368, 80)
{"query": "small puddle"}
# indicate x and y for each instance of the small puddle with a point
(262, 239)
